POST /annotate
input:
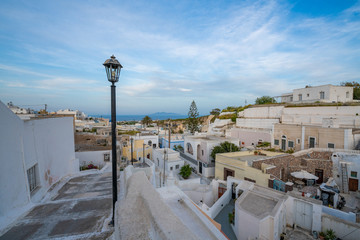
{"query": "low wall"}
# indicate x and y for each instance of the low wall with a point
(219, 204)
(351, 217)
(141, 213)
(343, 229)
(208, 171)
(93, 157)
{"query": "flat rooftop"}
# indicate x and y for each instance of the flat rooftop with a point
(248, 156)
(258, 205)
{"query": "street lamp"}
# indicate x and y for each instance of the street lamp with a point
(113, 68)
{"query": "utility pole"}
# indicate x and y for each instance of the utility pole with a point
(132, 159)
(164, 167)
(169, 134)
(143, 152)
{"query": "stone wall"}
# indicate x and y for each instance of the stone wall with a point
(286, 164)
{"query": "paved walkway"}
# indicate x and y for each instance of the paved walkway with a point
(81, 210)
(223, 219)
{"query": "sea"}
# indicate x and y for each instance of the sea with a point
(155, 116)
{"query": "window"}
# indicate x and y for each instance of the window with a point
(322, 95)
(291, 99)
(177, 167)
(150, 143)
(290, 144)
(202, 152)
(331, 145)
(171, 168)
(308, 95)
(300, 97)
(31, 173)
(276, 142)
(249, 179)
(353, 174)
(347, 95)
(311, 142)
(298, 140)
(106, 157)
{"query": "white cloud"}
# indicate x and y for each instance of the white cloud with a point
(185, 89)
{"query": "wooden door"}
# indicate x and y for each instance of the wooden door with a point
(320, 174)
(353, 184)
(228, 172)
(221, 191)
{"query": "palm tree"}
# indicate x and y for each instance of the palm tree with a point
(223, 148)
(146, 120)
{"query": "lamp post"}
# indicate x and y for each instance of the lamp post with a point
(113, 68)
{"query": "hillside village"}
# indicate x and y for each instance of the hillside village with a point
(288, 170)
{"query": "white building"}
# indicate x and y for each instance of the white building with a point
(34, 155)
(346, 165)
(149, 139)
(76, 113)
(263, 213)
(199, 148)
(173, 162)
(323, 93)
(19, 110)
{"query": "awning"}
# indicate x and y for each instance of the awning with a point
(304, 175)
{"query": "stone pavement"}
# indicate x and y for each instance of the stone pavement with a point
(81, 209)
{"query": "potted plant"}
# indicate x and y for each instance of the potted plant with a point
(256, 152)
(231, 218)
(330, 234)
(322, 235)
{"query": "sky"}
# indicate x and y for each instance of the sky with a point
(217, 53)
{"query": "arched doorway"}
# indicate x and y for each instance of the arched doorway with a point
(189, 148)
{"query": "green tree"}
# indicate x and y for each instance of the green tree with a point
(265, 100)
(215, 111)
(193, 121)
(146, 120)
(356, 86)
(224, 147)
(185, 171)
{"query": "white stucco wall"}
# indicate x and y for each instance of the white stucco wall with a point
(256, 123)
(172, 159)
(343, 229)
(246, 225)
(249, 137)
(47, 144)
(93, 157)
(14, 193)
(353, 164)
(262, 112)
(316, 212)
(50, 144)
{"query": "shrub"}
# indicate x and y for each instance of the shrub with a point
(185, 171)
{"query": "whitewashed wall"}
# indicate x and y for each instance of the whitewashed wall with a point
(353, 164)
(14, 193)
(47, 144)
(262, 112)
(256, 123)
(343, 229)
(50, 143)
(94, 157)
(249, 137)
